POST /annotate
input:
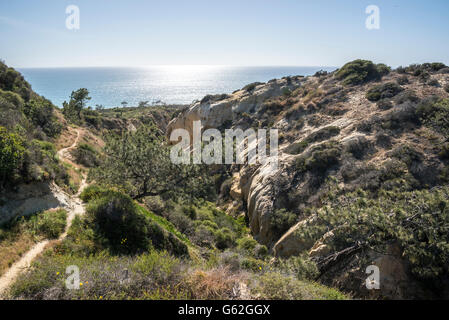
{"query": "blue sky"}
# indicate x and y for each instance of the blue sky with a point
(211, 32)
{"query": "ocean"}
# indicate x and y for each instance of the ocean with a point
(168, 84)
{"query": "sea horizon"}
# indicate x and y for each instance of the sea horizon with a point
(169, 84)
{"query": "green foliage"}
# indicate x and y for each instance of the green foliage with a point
(164, 223)
(86, 155)
(224, 238)
(117, 219)
(418, 221)
(383, 69)
(72, 109)
(253, 264)
(360, 71)
(403, 80)
(383, 91)
(281, 220)
(125, 227)
(50, 224)
(322, 157)
(40, 112)
(251, 86)
(323, 134)
(433, 83)
(27, 118)
(11, 154)
(434, 113)
(297, 147)
(301, 266)
(425, 68)
(139, 162)
(11, 80)
(153, 275)
(275, 286)
(246, 244)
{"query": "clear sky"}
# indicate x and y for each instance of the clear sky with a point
(33, 33)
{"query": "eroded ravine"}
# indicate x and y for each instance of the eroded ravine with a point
(75, 208)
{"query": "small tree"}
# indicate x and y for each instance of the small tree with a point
(143, 104)
(72, 109)
(139, 162)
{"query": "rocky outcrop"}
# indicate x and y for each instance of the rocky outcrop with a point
(215, 111)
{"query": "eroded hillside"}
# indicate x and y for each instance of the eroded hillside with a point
(362, 172)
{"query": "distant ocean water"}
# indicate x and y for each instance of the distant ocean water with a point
(170, 84)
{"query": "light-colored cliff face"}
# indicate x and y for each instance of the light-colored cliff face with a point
(215, 111)
(32, 198)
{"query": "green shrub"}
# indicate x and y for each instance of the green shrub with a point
(224, 238)
(360, 71)
(153, 275)
(386, 90)
(434, 112)
(92, 192)
(433, 83)
(11, 154)
(384, 104)
(444, 153)
(116, 218)
(275, 286)
(125, 227)
(297, 147)
(323, 158)
(301, 266)
(86, 155)
(415, 220)
(260, 251)
(406, 96)
(251, 86)
(41, 113)
(281, 220)
(11, 80)
(247, 244)
(253, 264)
(50, 224)
(190, 211)
(323, 134)
(403, 80)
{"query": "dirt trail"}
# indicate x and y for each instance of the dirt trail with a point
(76, 207)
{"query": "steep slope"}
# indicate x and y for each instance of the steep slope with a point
(361, 129)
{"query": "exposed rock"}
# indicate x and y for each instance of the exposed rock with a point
(236, 191)
(32, 198)
(291, 243)
(214, 113)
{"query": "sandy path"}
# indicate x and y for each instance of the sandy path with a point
(76, 208)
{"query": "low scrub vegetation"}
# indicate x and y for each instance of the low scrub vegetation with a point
(361, 71)
(19, 234)
(384, 91)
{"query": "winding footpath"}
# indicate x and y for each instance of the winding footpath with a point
(76, 208)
